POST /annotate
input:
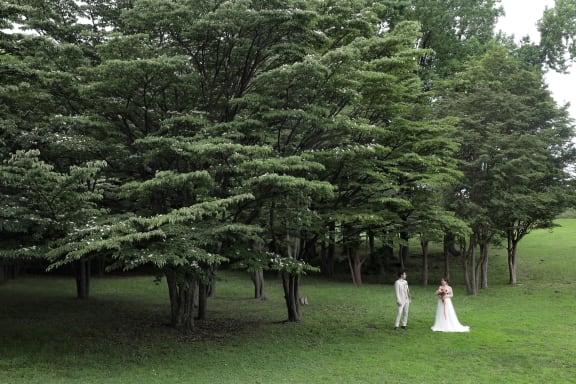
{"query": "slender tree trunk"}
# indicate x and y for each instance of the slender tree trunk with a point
(258, 281)
(484, 265)
(211, 288)
(512, 250)
(202, 300)
(7, 272)
(473, 270)
(351, 244)
(173, 295)
(403, 250)
(424, 245)
(331, 256)
(355, 263)
(448, 242)
(82, 271)
(387, 255)
(464, 255)
(101, 264)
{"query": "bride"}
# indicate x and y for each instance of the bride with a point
(446, 319)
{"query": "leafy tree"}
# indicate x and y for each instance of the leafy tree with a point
(41, 207)
(451, 31)
(515, 147)
(558, 33)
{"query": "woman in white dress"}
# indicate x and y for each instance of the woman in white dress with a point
(446, 319)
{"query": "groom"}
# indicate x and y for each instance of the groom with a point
(402, 300)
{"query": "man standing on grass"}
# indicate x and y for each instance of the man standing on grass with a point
(402, 300)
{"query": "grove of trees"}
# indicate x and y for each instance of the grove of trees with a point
(284, 135)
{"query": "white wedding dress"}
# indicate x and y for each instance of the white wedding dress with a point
(446, 319)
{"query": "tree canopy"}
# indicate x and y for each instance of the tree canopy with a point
(183, 135)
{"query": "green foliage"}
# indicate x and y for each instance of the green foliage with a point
(257, 121)
(515, 143)
(40, 205)
(557, 34)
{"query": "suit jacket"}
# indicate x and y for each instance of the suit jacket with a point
(402, 291)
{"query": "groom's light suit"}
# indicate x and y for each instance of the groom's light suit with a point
(403, 301)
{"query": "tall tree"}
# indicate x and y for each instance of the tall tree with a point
(558, 34)
(515, 147)
(452, 30)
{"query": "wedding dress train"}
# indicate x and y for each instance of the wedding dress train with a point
(446, 319)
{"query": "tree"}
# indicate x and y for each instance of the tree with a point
(515, 147)
(451, 32)
(558, 34)
(41, 207)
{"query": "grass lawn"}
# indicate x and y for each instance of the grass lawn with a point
(520, 334)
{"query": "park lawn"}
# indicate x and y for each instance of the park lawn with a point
(519, 334)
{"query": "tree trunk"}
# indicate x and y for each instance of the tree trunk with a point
(472, 259)
(448, 244)
(387, 255)
(82, 271)
(101, 265)
(211, 287)
(290, 284)
(182, 291)
(203, 290)
(3, 273)
(512, 250)
(328, 252)
(464, 255)
(258, 280)
(484, 266)
(355, 264)
(290, 281)
(404, 250)
(424, 245)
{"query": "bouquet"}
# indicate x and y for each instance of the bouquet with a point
(442, 295)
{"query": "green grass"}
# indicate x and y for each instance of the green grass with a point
(520, 334)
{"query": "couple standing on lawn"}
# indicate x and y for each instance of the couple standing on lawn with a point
(446, 319)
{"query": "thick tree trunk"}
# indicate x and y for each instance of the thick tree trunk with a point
(290, 284)
(82, 271)
(182, 291)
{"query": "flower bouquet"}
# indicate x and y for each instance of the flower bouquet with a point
(442, 295)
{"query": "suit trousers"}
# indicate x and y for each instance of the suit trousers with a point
(402, 314)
